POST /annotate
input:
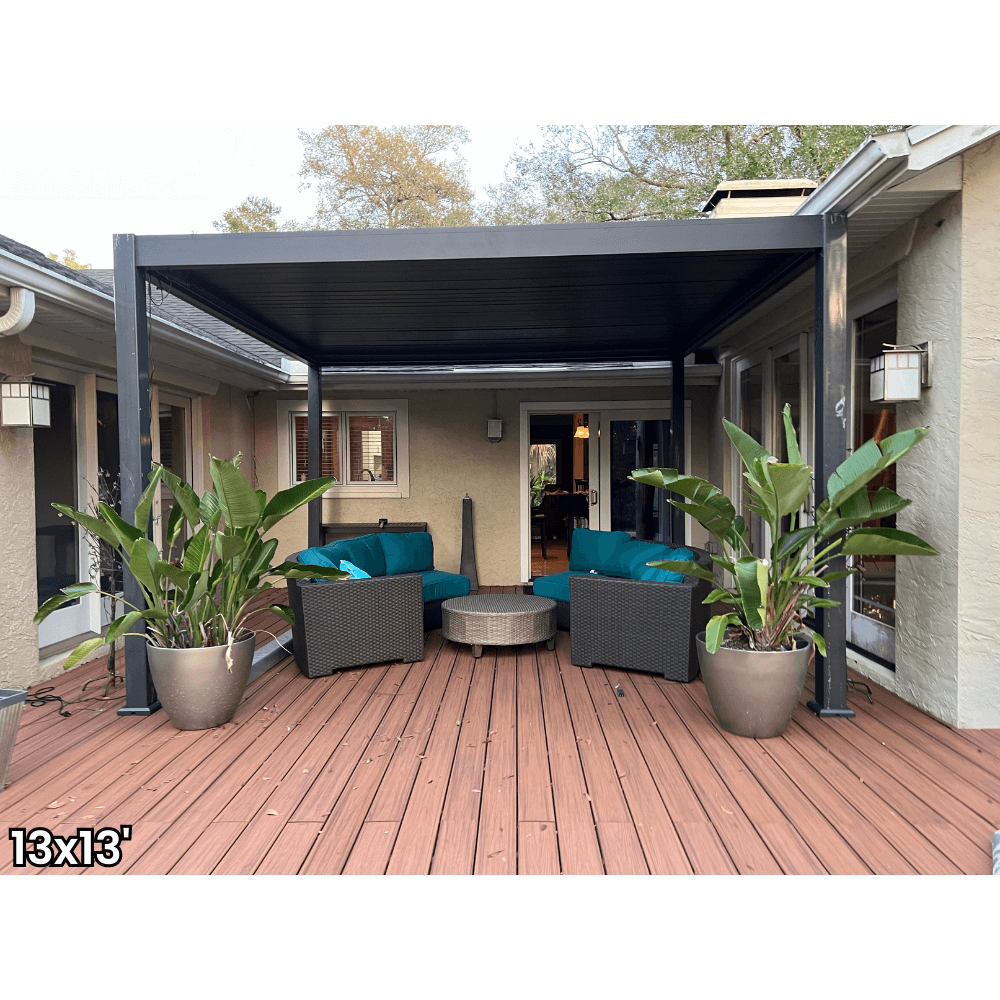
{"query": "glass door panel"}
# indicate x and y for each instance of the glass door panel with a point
(751, 411)
(631, 440)
(59, 560)
(871, 619)
(174, 441)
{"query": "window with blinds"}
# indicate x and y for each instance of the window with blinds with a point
(330, 461)
(367, 451)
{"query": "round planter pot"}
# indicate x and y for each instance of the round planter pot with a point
(195, 687)
(754, 693)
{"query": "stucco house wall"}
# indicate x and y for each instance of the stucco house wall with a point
(451, 456)
(18, 587)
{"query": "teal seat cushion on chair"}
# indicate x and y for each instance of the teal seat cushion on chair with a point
(439, 585)
(592, 549)
(556, 586)
(407, 551)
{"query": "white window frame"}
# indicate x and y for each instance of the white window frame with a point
(286, 445)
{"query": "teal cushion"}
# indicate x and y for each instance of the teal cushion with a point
(439, 585)
(365, 552)
(317, 557)
(591, 549)
(356, 573)
(407, 552)
(633, 556)
(557, 585)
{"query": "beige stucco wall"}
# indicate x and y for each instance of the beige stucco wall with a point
(18, 587)
(930, 308)
(451, 456)
(979, 443)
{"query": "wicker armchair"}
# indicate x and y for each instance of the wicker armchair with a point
(356, 623)
(639, 624)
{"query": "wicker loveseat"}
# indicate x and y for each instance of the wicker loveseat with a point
(379, 618)
(620, 613)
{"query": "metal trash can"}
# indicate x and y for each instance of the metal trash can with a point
(11, 706)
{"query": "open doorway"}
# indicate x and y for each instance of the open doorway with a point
(559, 482)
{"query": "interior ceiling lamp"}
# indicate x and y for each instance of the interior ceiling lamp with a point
(899, 372)
(24, 403)
(582, 430)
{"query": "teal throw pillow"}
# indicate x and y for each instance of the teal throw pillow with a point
(634, 556)
(355, 571)
(317, 557)
(407, 551)
(595, 550)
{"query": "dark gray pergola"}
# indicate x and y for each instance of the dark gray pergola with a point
(647, 291)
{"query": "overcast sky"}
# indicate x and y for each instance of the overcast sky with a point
(176, 177)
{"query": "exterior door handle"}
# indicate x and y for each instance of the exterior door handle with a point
(593, 498)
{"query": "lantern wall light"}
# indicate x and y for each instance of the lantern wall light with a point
(24, 403)
(899, 373)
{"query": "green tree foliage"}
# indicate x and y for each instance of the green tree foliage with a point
(603, 173)
(367, 177)
(69, 260)
(254, 215)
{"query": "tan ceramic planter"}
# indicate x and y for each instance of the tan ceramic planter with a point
(753, 693)
(195, 687)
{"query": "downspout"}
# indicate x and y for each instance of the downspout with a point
(20, 313)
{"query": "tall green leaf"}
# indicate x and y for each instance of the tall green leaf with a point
(92, 524)
(196, 550)
(142, 561)
(125, 532)
(185, 496)
(793, 541)
(175, 524)
(145, 504)
(791, 438)
(84, 649)
(285, 501)
(210, 509)
(749, 449)
(52, 604)
(240, 503)
(886, 542)
(751, 582)
(791, 486)
(716, 630)
(229, 546)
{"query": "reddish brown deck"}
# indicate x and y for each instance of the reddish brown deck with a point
(515, 763)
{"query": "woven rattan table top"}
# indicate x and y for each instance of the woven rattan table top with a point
(498, 604)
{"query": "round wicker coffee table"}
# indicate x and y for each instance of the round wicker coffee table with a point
(499, 620)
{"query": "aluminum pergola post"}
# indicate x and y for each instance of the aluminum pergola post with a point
(314, 456)
(135, 445)
(833, 393)
(676, 460)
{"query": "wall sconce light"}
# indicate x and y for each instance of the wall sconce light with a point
(494, 426)
(898, 374)
(24, 403)
(582, 430)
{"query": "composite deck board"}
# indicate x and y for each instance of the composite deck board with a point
(534, 781)
(455, 847)
(702, 844)
(576, 834)
(496, 838)
(657, 835)
(345, 820)
(548, 771)
(743, 843)
(777, 829)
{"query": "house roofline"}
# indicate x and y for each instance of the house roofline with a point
(62, 290)
(884, 161)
